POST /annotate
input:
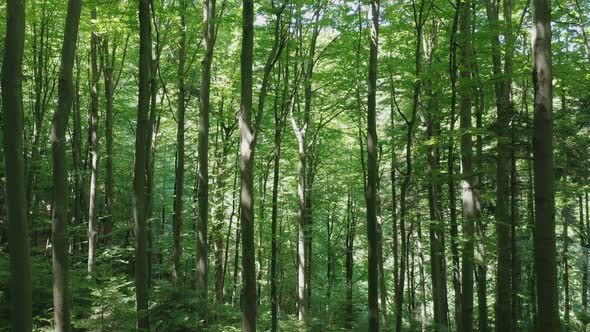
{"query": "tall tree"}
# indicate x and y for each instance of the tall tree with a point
(544, 230)
(60, 257)
(470, 201)
(247, 169)
(502, 88)
(16, 203)
(177, 219)
(203, 156)
(94, 147)
(139, 178)
(372, 171)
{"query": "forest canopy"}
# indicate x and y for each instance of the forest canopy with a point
(224, 165)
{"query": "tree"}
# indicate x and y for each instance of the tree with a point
(247, 169)
(139, 177)
(203, 152)
(60, 257)
(372, 171)
(177, 218)
(94, 148)
(544, 231)
(470, 201)
(16, 203)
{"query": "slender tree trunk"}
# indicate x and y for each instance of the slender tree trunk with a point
(350, 233)
(470, 200)
(203, 157)
(451, 175)
(247, 170)
(567, 215)
(503, 307)
(94, 148)
(373, 172)
(544, 231)
(139, 179)
(60, 257)
(436, 231)
(16, 202)
(280, 117)
(77, 158)
(177, 218)
(584, 244)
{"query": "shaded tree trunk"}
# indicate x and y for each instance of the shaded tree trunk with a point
(247, 170)
(203, 157)
(373, 172)
(16, 202)
(60, 257)
(544, 231)
(139, 179)
(469, 197)
(177, 218)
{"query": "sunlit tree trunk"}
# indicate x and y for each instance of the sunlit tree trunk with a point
(94, 148)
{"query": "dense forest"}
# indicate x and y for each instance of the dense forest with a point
(306, 165)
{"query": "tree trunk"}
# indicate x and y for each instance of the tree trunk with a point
(350, 233)
(436, 231)
(280, 117)
(16, 202)
(503, 307)
(177, 218)
(584, 241)
(567, 215)
(247, 170)
(203, 157)
(77, 163)
(544, 231)
(139, 179)
(60, 257)
(470, 200)
(94, 148)
(451, 174)
(373, 172)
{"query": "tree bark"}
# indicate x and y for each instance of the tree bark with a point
(436, 231)
(503, 307)
(247, 169)
(203, 157)
(177, 218)
(60, 257)
(372, 171)
(469, 197)
(16, 202)
(94, 148)
(453, 69)
(139, 179)
(544, 231)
